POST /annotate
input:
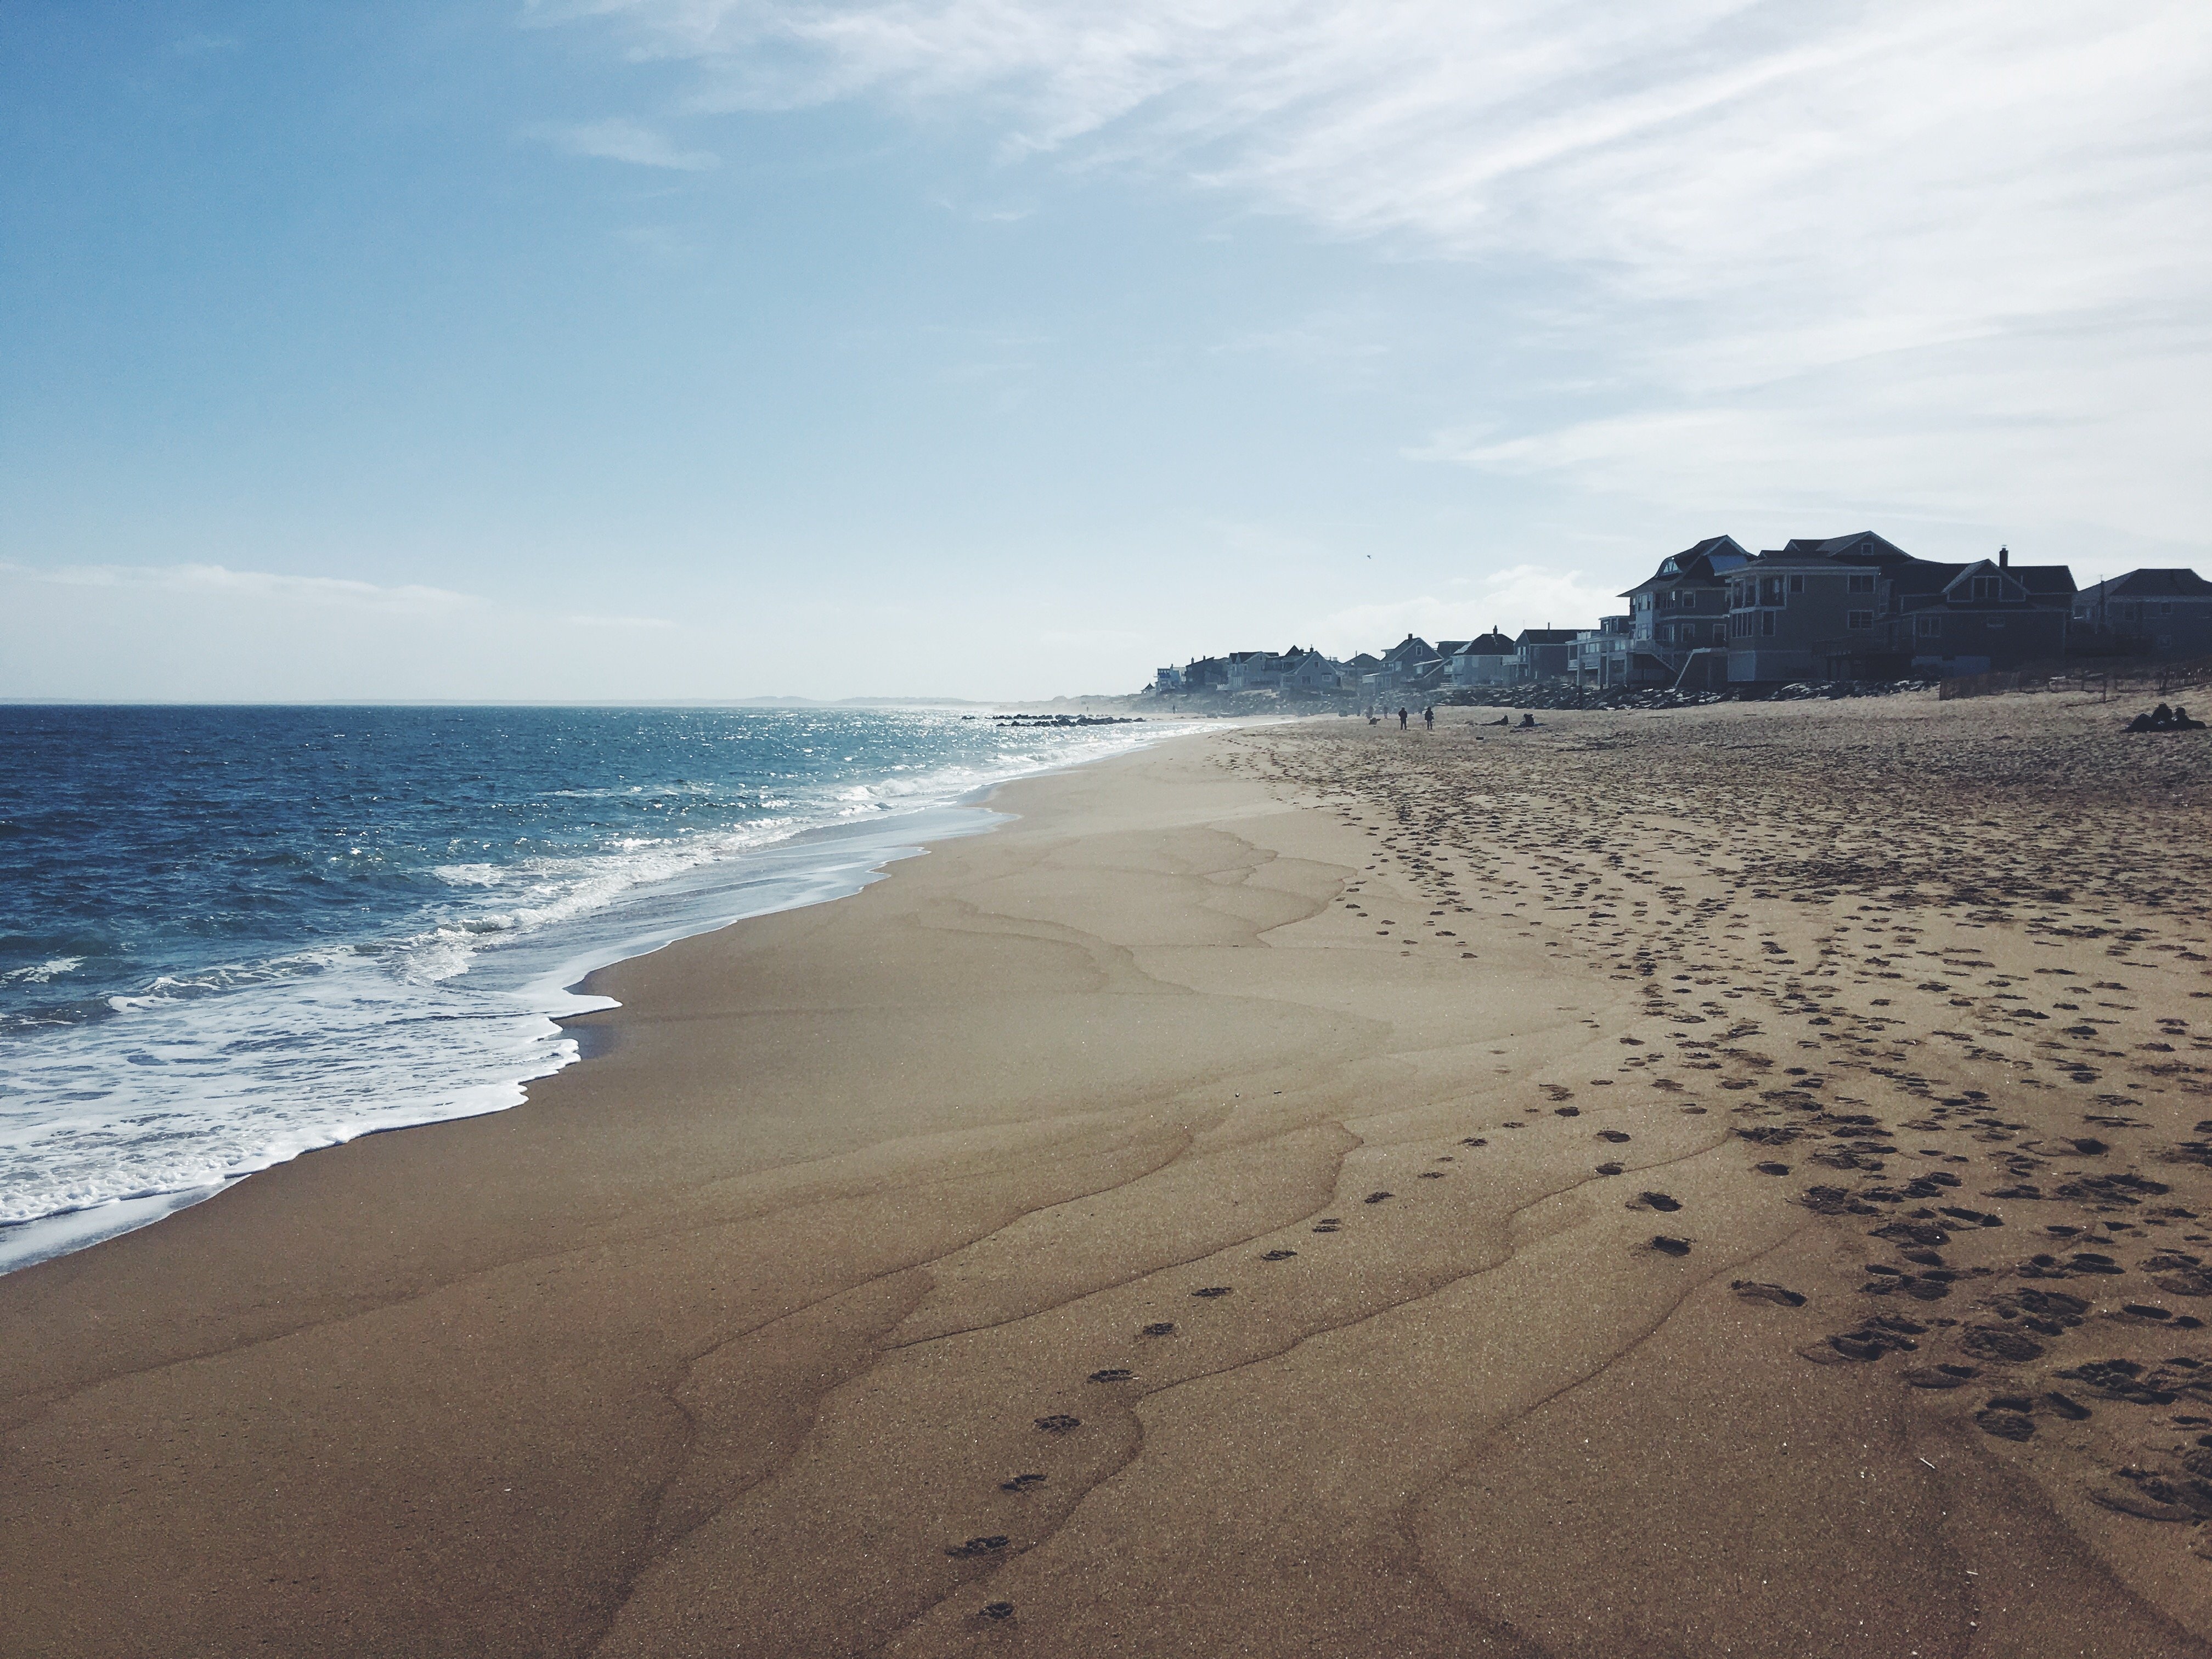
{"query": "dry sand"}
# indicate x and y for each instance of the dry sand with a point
(1727, 1180)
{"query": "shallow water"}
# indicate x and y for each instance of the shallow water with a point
(228, 935)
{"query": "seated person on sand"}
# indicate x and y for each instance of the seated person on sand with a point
(2162, 719)
(1528, 720)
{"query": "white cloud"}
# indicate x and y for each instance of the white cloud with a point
(1936, 257)
(619, 140)
(216, 579)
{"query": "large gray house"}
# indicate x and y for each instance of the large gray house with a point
(1859, 607)
(2157, 613)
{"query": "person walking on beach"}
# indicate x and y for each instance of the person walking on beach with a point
(1429, 717)
(1401, 719)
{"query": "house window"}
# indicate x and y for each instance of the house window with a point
(1862, 581)
(1988, 587)
(1796, 583)
(1767, 622)
(1928, 628)
(1861, 619)
(1770, 589)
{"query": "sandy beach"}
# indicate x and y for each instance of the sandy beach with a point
(1729, 1181)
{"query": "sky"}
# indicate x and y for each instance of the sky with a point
(641, 349)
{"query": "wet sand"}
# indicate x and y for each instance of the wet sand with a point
(1727, 1180)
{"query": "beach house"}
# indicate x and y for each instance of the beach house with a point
(1600, 655)
(1486, 659)
(1860, 607)
(2150, 612)
(1405, 667)
(1947, 620)
(1543, 653)
(1681, 610)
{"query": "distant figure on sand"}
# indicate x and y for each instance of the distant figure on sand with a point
(1401, 720)
(1429, 717)
(1528, 720)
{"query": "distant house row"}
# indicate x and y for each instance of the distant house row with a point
(1412, 668)
(1850, 607)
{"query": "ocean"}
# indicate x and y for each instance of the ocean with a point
(228, 935)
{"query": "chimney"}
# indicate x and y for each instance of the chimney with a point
(2004, 557)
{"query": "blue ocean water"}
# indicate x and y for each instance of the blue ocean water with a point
(228, 935)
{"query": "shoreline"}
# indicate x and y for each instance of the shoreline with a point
(1233, 1207)
(819, 863)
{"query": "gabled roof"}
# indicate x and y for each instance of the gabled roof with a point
(2046, 579)
(1411, 648)
(1448, 648)
(1492, 644)
(1545, 636)
(1365, 662)
(1712, 558)
(2169, 583)
(1862, 547)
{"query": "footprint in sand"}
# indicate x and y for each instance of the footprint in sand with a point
(1614, 1135)
(1375, 1198)
(1752, 1291)
(997, 1610)
(1060, 1422)
(1163, 1328)
(1021, 1483)
(976, 1546)
(1279, 1256)
(1771, 1169)
(1659, 1201)
(1667, 1245)
(1475, 1140)
(1941, 1376)
(1111, 1374)
(1212, 1291)
(1610, 1169)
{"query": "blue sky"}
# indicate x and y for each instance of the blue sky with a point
(700, 348)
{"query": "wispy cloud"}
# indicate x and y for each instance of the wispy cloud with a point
(221, 579)
(619, 140)
(1938, 252)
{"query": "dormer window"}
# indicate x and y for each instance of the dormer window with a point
(1988, 587)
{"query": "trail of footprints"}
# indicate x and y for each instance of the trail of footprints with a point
(2076, 1348)
(2068, 1342)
